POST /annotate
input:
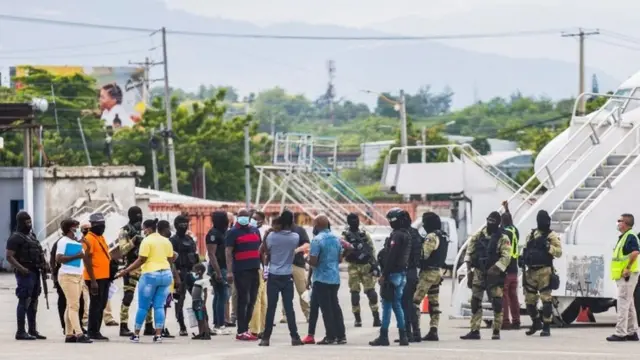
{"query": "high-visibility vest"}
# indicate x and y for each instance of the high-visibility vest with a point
(514, 241)
(619, 261)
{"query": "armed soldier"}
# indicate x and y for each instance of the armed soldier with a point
(412, 321)
(434, 254)
(129, 243)
(185, 246)
(543, 245)
(362, 268)
(487, 258)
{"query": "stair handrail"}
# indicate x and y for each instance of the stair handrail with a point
(60, 215)
(606, 179)
(545, 167)
(472, 154)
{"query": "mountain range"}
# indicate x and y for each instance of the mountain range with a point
(251, 65)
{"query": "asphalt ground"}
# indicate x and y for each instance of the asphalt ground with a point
(579, 342)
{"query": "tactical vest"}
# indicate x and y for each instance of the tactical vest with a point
(359, 242)
(416, 249)
(486, 253)
(536, 252)
(437, 258)
(133, 254)
(30, 254)
(511, 232)
(187, 252)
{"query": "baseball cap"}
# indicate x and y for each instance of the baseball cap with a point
(96, 218)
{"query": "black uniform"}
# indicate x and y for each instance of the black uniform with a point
(29, 254)
(185, 246)
(410, 315)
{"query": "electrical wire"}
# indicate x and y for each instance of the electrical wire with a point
(75, 55)
(71, 47)
(522, 33)
(633, 48)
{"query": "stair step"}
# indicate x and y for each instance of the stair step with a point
(617, 159)
(564, 216)
(584, 193)
(595, 181)
(559, 227)
(605, 170)
(572, 204)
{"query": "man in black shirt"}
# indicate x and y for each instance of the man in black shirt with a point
(218, 268)
(26, 256)
(185, 246)
(299, 267)
(394, 278)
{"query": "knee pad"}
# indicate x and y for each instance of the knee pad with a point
(355, 298)
(434, 307)
(547, 309)
(372, 295)
(127, 298)
(532, 310)
(476, 305)
(496, 304)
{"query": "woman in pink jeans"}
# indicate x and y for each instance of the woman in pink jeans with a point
(511, 304)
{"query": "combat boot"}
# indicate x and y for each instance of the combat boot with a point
(408, 335)
(535, 326)
(382, 340)
(495, 335)
(472, 335)
(358, 322)
(432, 335)
(404, 340)
(546, 330)
(417, 336)
(376, 319)
(124, 330)
(149, 330)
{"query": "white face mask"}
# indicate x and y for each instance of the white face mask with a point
(78, 234)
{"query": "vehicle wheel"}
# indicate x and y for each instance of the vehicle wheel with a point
(488, 323)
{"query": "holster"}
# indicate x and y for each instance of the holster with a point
(387, 291)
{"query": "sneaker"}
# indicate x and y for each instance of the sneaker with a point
(251, 337)
(309, 340)
(632, 337)
(24, 336)
(134, 338)
(70, 339)
(98, 337)
(37, 335)
(295, 341)
(221, 331)
(112, 323)
(83, 339)
(241, 337)
(157, 339)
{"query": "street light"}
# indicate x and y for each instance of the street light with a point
(399, 106)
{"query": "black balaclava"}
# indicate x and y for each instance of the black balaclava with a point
(181, 223)
(23, 221)
(135, 217)
(396, 218)
(544, 221)
(431, 222)
(493, 222)
(353, 221)
(98, 228)
(220, 221)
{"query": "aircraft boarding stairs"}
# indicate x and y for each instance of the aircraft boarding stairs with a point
(576, 171)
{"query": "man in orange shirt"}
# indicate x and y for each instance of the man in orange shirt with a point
(97, 274)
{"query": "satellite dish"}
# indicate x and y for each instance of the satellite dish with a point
(40, 104)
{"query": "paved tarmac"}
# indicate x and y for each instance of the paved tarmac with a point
(575, 342)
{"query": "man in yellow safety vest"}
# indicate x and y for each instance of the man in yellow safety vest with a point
(624, 271)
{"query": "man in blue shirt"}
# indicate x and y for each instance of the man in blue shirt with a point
(324, 257)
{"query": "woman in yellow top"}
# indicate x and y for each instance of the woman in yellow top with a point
(154, 257)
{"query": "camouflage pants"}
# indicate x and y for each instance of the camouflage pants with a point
(479, 287)
(536, 286)
(361, 274)
(429, 285)
(129, 287)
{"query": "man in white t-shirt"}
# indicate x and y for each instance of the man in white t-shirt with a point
(69, 255)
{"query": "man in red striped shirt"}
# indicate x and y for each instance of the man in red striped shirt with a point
(243, 267)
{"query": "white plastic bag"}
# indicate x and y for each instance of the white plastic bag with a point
(191, 317)
(306, 296)
(112, 290)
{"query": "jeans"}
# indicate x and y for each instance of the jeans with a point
(399, 280)
(327, 295)
(314, 312)
(28, 290)
(247, 283)
(182, 292)
(511, 304)
(153, 289)
(220, 299)
(408, 308)
(97, 304)
(276, 285)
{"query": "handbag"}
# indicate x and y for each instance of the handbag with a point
(113, 264)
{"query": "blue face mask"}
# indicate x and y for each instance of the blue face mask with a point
(243, 220)
(253, 222)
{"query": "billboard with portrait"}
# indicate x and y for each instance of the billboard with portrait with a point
(120, 89)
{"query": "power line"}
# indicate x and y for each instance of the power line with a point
(286, 37)
(634, 48)
(75, 55)
(71, 47)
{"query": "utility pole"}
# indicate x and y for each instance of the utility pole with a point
(581, 34)
(403, 127)
(247, 157)
(167, 105)
(331, 90)
(146, 66)
(154, 160)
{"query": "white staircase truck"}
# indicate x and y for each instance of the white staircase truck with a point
(585, 178)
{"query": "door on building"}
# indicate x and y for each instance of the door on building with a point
(16, 206)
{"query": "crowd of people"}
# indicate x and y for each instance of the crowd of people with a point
(251, 266)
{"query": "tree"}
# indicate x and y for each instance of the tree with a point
(423, 104)
(481, 144)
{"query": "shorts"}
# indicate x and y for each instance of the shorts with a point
(198, 309)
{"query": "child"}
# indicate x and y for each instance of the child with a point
(199, 299)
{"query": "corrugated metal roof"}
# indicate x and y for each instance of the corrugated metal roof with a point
(156, 196)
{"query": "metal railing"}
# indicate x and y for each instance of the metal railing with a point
(465, 149)
(607, 180)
